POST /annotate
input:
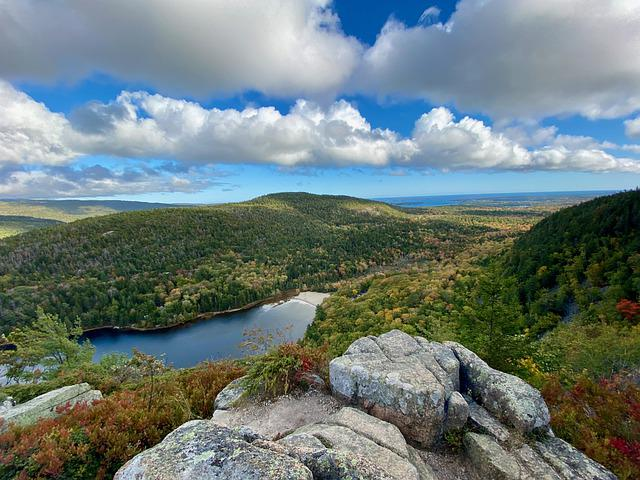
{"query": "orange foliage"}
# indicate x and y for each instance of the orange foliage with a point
(93, 441)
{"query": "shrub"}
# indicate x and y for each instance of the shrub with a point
(92, 442)
(629, 310)
(88, 441)
(283, 368)
(600, 418)
(201, 385)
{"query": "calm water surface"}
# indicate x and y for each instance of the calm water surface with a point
(494, 199)
(216, 338)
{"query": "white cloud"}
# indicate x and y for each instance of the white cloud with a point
(282, 47)
(29, 132)
(469, 144)
(153, 126)
(515, 58)
(429, 16)
(632, 127)
(39, 149)
(143, 125)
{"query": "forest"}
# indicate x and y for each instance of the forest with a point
(165, 267)
(550, 297)
(19, 216)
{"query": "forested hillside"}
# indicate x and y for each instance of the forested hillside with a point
(163, 267)
(482, 276)
(582, 260)
(15, 224)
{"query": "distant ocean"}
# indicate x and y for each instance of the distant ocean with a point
(495, 199)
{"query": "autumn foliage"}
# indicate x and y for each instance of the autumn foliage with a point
(629, 310)
(93, 441)
(600, 418)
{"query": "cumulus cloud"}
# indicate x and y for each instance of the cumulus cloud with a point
(469, 144)
(632, 127)
(515, 58)
(40, 150)
(153, 126)
(282, 47)
(142, 125)
(29, 132)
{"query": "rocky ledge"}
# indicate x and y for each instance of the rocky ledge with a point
(407, 393)
(47, 405)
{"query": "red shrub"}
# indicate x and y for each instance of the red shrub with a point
(629, 310)
(600, 418)
(93, 441)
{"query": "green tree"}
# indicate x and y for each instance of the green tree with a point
(44, 347)
(493, 321)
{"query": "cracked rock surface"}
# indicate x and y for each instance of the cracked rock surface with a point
(400, 379)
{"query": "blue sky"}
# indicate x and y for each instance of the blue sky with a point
(217, 101)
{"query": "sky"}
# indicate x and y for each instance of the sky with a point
(204, 101)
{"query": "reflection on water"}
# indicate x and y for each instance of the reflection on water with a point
(212, 339)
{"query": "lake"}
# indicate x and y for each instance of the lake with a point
(212, 339)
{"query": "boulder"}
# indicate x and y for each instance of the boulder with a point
(510, 398)
(230, 395)
(399, 379)
(277, 417)
(46, 405)
(483, 421)
(551, 459)
(376, 449)
(205, 450)
(457, 412)
(538, 469)
(329, 464)
(489, 459)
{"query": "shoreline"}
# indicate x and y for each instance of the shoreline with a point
(308, 298)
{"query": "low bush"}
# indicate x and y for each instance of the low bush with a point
(201, 385)
(283, 368)
(600, 418)
(92, 442)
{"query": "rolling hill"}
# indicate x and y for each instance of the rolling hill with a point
(18, 216)
(167, 266)
(581, 260)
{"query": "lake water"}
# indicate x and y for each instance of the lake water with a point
(212, 339)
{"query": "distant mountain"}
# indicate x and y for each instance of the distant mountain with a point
(18, 216)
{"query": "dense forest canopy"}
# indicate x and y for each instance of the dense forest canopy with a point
(553, 300)
(19, 216)
(162, 267)
(581, 260)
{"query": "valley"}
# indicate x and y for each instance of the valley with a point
(496, 278)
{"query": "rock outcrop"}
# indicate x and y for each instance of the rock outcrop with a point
(350, 444)
(202, 449)
(378, 447)
(46, 405)
(403, 388)
(230, 395)
(404, 380)
(510, 398)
